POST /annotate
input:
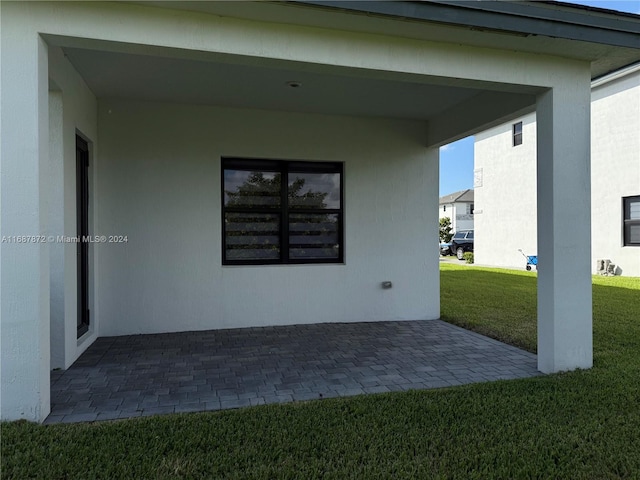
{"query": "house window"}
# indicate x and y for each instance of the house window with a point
(277, 212)
(470, 208)
(517, 134)
(631, 207)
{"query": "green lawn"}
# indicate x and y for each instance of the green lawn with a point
(583, 424)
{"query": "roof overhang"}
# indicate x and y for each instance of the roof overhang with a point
(159, 73)
(608, 39)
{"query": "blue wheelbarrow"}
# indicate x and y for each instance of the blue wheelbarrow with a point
(531, 260)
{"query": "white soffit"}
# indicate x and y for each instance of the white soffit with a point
(111, 74)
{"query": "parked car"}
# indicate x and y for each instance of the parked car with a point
(445, 249)
(462, 242)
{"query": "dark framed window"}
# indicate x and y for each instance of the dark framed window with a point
(281, 212)
(517, 134)
(82, 219)
(631, 209)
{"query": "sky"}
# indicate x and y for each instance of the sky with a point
(456, 159)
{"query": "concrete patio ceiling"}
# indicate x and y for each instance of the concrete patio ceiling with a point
(165, 76)
(163, 79)
(141, 72)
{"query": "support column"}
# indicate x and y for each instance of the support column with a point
(432, 262)
(55, 214)
(24, 276)
(565, 338)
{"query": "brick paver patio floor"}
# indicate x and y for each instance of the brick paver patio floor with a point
(138, 375)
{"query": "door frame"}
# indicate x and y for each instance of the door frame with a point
(83, 238)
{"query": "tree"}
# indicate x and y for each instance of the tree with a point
(249, 234)
(445, 230)
(258, 191)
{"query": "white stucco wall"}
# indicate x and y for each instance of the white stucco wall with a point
(457, 213)
(615, 168)
(506, 202)
(159, 184)
(157, 161)
(75, 112)
(447, 211)
(463, 216)
(56, 226)
(24, 272)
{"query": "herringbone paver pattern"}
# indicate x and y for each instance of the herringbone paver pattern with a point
(129, 376)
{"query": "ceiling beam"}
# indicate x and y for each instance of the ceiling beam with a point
(483, 111)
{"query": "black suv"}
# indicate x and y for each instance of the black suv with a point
(462, 242)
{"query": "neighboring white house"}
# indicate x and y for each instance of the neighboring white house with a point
(458, 207)
(505, 158)
(169, 134)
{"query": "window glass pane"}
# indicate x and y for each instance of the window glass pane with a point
(517, 134)
(634, 210)
(314, 190)
(313, 236)
(634, 235)
(252, 236)
(470, 235)
(251, 189)
(258, 211)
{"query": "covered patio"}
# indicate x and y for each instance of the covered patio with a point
(130, 125)
(140, 375)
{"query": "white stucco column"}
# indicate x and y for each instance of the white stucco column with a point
(24, 279)
(55, 214)
(564, 226)
(432, 262)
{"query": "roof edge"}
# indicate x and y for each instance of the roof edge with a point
(615, 75)
(523, 18)
(455, 197)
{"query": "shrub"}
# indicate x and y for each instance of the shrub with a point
(445, 230)
(468, 257)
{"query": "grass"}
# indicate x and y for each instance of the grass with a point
(495, 302)
(582, 424)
